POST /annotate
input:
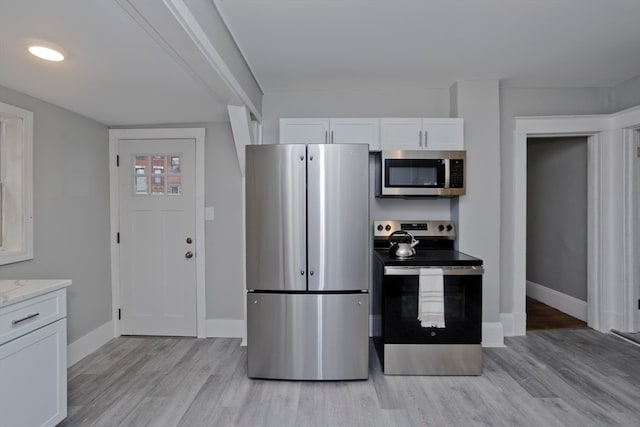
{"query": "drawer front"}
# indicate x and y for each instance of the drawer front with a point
(23, 317)
(308, 336)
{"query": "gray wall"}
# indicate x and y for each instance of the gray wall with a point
(224, 244)
(557, 214)
(71, 211)
(518, 102)
(477, 214)
(626, 94)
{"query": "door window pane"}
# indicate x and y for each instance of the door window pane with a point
(157, 163)
(157, 175)
(157, 187)
(174, 184)
(141, 164)
(175, 164)
(141, 185)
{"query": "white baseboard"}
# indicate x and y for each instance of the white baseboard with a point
(492, 335)
(514, 324)
(563, 302)
(507, 324)
(84, 346)
(225, 328)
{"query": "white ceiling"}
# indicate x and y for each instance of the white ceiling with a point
(115, 73)
(119, 75)
(303, 44)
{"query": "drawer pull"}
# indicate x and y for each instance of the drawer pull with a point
(30, 316)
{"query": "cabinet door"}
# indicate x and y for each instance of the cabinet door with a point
(304, 131)
(401, 134)
(356, 131)
(33, 377)
(443, 134)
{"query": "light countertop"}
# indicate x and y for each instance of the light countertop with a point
(13, 291)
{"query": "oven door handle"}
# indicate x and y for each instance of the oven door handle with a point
(468, 270)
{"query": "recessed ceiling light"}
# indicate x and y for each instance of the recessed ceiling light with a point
(46, 50)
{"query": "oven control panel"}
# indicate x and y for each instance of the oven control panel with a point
(431, 229)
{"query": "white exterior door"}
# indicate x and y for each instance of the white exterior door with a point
(156, 191)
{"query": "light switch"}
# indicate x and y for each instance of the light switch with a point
(208, 213)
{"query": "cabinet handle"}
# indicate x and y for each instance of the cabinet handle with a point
(30, 316)
(326, 133)
(420, 138)
(425, 139)
(332, 137)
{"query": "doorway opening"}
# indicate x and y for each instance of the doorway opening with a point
(557, 226)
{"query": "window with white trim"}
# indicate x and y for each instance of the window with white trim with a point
(16, 184)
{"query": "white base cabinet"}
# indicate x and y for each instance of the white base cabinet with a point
(33, 361)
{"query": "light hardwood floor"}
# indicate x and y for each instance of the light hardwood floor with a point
(567, 377)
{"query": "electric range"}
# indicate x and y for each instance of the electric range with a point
(404, 346)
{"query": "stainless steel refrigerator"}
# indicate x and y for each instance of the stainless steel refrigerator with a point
(308, 261)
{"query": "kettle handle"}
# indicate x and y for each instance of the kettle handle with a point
(403, 233)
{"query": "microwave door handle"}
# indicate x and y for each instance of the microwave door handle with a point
(446, 170)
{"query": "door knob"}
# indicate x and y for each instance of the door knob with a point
(189, 254)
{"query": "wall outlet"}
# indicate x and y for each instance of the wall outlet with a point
(208, 213)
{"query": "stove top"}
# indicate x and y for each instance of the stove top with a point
(435, 247)
(428, 258)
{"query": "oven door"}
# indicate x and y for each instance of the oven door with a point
(462, 307)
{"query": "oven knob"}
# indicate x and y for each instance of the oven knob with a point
(449, 227)
(388, 227)
(380, 227)
(441, 227)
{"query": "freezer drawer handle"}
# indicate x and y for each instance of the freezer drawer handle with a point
(30, 316)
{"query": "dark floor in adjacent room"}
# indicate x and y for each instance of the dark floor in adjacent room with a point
(541, 316)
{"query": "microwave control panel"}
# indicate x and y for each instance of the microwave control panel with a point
(456, 175)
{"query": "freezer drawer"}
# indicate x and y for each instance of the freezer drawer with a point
(308, 336)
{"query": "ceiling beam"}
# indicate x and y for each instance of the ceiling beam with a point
(186, 32)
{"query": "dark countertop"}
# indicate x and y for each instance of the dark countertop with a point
(428, 258)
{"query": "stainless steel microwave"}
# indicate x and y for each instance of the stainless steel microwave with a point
(404, 173)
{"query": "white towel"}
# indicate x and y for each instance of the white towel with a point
(431, 298)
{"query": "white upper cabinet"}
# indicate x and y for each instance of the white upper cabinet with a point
(443, 134)
(356, 131)
(304, 131)
(330, 131)
(401, 134)
(422, 134)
